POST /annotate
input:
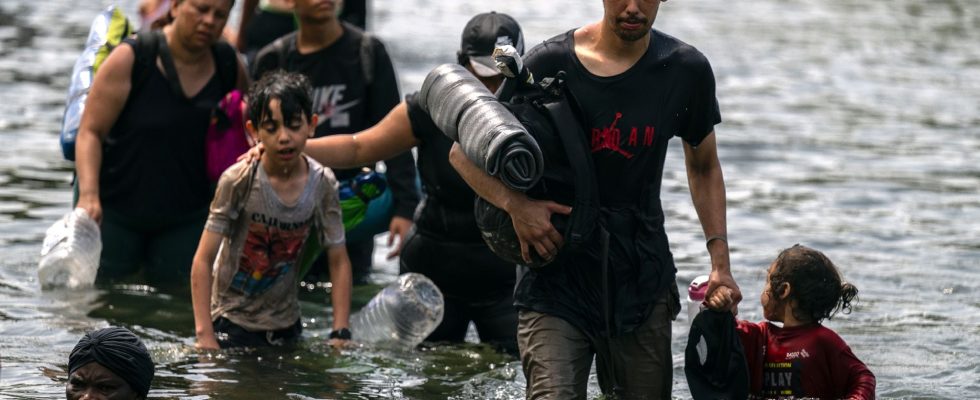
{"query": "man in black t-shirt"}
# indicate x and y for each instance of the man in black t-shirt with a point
(348, 97)
(637, 88)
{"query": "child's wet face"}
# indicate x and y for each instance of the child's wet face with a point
(770, 305)
(284, 140)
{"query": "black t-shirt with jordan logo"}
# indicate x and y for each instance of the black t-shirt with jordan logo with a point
(629, 119)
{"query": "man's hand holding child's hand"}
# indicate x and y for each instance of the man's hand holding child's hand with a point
(720, 299)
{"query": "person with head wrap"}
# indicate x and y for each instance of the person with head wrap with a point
(110, 363)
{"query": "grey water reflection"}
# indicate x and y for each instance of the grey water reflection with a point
(850, 126)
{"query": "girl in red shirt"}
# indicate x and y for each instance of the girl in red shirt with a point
(801, 359)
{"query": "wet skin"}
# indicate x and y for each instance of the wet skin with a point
(95, 382)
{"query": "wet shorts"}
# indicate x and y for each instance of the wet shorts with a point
(230, 335)
(557, 356)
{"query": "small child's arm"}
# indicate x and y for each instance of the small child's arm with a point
(340, 292)
(720, 299)
(861, 381)
(201, 279)
(332, 237)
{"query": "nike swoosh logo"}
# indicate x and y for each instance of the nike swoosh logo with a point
(337, 109)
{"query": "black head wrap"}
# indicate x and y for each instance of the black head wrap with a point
(120, 351)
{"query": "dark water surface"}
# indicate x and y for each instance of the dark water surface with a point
(850, 126)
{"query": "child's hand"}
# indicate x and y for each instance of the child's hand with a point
(207, 342)
(720, 299)
(339, 343)
(252, 154)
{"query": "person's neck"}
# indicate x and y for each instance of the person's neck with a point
(607, 42)
(315, 36)
(180, 53)
(283, 171)
(790, 320)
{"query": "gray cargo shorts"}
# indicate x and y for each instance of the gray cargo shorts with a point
(556, 356)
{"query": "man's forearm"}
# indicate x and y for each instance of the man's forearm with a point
(401, 178)
(707, 185)
(489, 188)
(708, 194)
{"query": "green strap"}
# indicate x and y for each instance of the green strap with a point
(311, 250)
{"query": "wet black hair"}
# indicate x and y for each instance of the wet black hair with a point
(815, 284)
(294, 92)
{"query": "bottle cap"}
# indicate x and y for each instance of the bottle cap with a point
(698, 288)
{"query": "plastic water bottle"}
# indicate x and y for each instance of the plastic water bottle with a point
(402, 315)
(695, 296)
(70, 252)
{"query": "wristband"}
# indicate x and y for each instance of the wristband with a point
(342, 334)
(723, 238)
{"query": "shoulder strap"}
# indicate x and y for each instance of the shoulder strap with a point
(226, 65)
(241, 193)
(283, 45)
(367, 57)
(146, 46)
(168, 66)
(585, 210)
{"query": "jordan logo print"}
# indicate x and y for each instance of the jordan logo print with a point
(607, 138)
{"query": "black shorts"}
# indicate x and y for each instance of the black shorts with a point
(230, 334)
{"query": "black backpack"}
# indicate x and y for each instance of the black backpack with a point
(551, 115)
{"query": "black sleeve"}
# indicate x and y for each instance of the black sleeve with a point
(422, 125)
(704, 113)
(382, 97)
(548, 57)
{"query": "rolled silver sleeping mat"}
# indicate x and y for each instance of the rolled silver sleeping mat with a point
(489, 134)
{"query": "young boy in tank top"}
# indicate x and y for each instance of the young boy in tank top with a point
(260, 218)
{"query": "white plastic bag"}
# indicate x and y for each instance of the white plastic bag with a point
(70, 252)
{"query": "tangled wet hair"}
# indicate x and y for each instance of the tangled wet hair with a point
(294, 92)
(815, 283)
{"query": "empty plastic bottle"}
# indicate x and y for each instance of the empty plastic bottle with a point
(70, 252)
(402, 315)
(695, 296)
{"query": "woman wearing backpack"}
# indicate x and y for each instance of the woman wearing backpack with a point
(140, 156)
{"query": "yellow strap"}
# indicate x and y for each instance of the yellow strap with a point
(119, 29)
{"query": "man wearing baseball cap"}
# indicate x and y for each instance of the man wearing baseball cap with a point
(480, 36)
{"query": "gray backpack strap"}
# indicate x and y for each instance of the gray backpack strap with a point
(241, 193)
(283, 45)
(367, 57)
